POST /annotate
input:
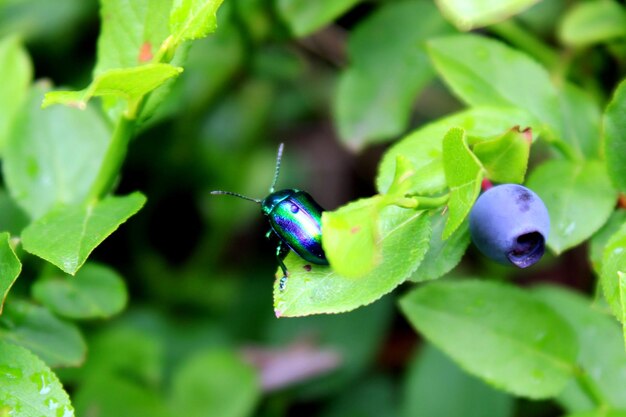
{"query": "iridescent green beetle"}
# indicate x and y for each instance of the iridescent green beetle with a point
(295, 218)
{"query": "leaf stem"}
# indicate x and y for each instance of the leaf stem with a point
(590, 388)
(527, 41)
(113, 159)
(421, 202)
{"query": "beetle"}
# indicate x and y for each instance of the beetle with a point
(295, 218)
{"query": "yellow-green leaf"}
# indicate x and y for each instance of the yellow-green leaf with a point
(464, 174)
(130, 84)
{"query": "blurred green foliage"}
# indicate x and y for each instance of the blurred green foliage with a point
(128, 290)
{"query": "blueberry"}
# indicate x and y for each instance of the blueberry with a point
(509, 224)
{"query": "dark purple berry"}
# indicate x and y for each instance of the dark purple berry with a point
(509, 224)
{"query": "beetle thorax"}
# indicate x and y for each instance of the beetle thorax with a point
(268, 204)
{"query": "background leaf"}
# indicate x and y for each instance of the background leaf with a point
(581, 118)
(314, 289)
(16, 73)
(28, 386)
(468, 14)
(387, 71)
(304, 18)
(614, 123)
(604, 363)
(579, 197)
(485, 72)
(118, 396)
(56, 342)
(600, 239)
(614, 264)
(352, 336)
(40, 164)
(520, 346)
(96, 291)
(587, 23)
(464, 174)
(371, 397)
(10, 267)
(65, 237)
(214, 383)
(600, 413)
(14, 219)
(430, 373)
(122, 385)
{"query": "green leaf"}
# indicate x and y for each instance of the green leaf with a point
(579, 197)
(351, 237)
(132, 32)
(13, 219)
(141, 364)
(600, 413)
(600, 239)
(56, 342)
(592, 22)
(96, 291)
(581, 121)
(125, 385)
(193, 19)
(130, 84)
(10, 267)
(214, 383)
(442, 255)
(372, 396)
(28, 388)
(120, 396)
(16, 73)
(485, 72)
(614, 123)
(43, 23)
(305, 17)
(422, 147)
(469, 14)
(505, 158)
(67, 235)
(613, 268)
(376, 93)
(464, 174)
(433, 379)
(315, 289)
(601, 354)
(41, 167)
(520, 346)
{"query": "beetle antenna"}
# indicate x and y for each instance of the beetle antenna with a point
(279, 156)
(235, 195)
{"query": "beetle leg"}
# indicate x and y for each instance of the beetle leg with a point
(281, 252)
(268, 234)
